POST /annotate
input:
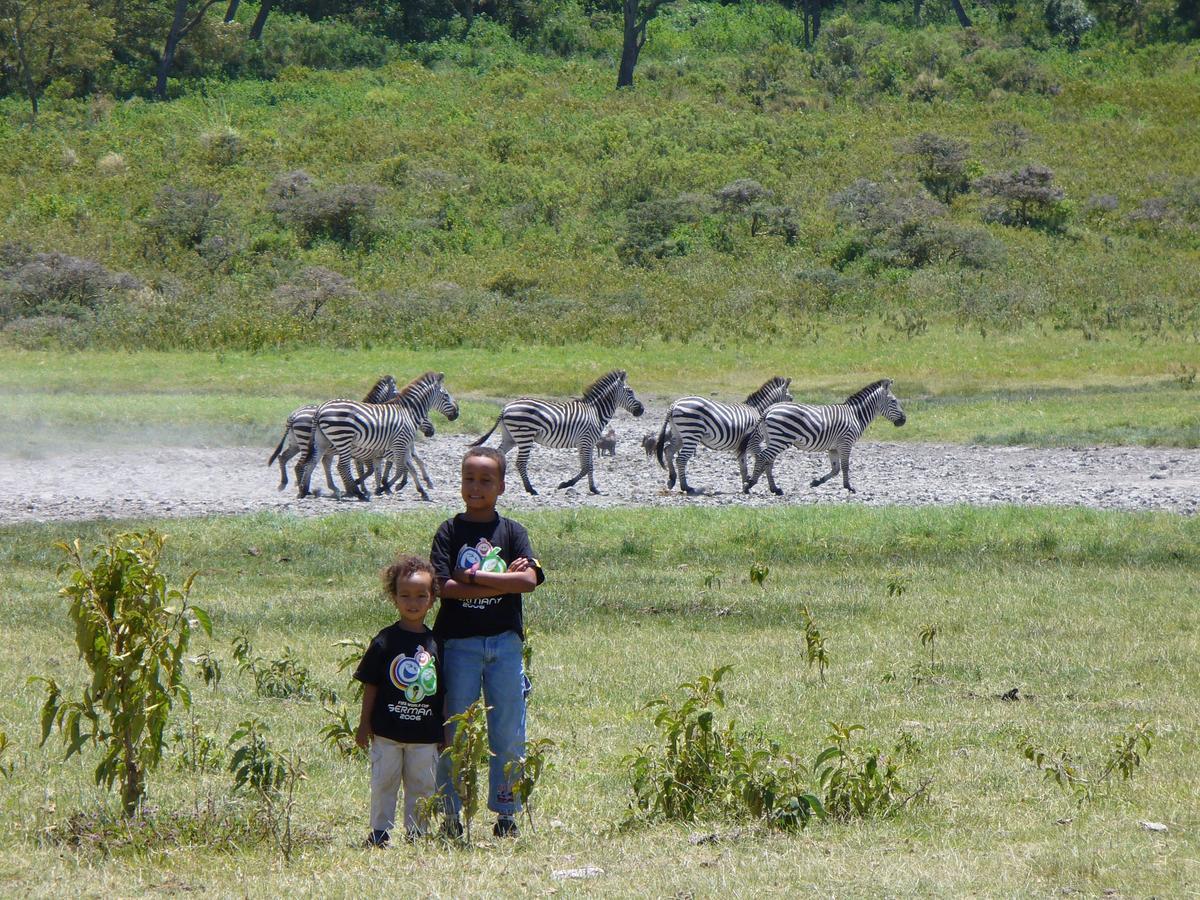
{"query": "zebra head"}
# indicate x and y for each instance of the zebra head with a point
(442, 401)
(428, 392)
(891, 406)
(627, 399)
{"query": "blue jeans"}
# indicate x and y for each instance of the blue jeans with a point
(494, 666)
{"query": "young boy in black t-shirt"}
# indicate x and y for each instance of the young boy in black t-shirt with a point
(484, 563)
(403, 698)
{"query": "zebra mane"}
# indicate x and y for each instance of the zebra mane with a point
(381, 391)
(602, 385)
(420, 383)
(867, 391)
(762, 392)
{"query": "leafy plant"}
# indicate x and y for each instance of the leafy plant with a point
(759, 572)
(468, 753)
(338, 734)
(896, 586)
(1126, 753)
(132, 631)
(273, 777)
(197, 752)
(354, 653)
(698, 767)
(712, 579)
(281, 678)
(928, 635)
(814, 643)
(858, 780)
(526, 772)
(6, 768)
(209, 667)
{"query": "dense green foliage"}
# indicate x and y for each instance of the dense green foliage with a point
(987, 176)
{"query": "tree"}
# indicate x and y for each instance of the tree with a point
(638, 14)
(181, 25)
(963, 19)
(260, 20)
(45, 39)
(132, 631)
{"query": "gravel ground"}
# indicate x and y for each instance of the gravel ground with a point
(166, 482)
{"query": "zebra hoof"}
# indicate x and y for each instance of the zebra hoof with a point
(816, 482)
(778, 492)
(851, 490)
(692, 492)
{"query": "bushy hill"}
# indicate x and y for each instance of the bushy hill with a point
(472, 189)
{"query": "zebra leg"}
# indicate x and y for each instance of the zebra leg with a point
(833, 470)
(424, 472)
(585, 468)
(404, 463)
(846, 471)
(327, 462)
(353, 488)
(522, 464)
(283, 461)
(318, 446)
(775, 489)
(686, 452)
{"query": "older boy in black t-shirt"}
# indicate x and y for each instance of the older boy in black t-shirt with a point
(403, 699)
(484, 563)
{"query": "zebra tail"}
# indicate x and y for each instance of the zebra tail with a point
(479, 442)
(278, 447)
(662, 440)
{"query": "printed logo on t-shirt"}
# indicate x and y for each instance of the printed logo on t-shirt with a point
(414, 675)
(487, 557)
(482, 554)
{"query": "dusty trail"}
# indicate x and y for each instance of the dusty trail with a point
(164, 482)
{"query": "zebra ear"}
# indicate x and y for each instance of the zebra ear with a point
(887, 383)
(441, 376)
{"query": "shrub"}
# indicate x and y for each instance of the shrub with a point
(344, 213)
(941, 164)
(905, 230)
(186, 216)
(111, 164)
(221, 146)
(1028, 197)
(652, 229)
(316, 286)
(54, 284)
(1069, 20)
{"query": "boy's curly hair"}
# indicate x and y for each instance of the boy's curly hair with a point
(405, 566)
(489, 453)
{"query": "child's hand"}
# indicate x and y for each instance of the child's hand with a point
(520, 564)
(463, 576)
(362, 737)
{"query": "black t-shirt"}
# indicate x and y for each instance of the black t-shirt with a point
(406, 667)
(458, 544)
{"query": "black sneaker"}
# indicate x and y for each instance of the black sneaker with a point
(378, 839)
(452, 828)
(506, 826)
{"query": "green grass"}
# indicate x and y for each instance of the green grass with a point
(1031, 387)
(1094, 616)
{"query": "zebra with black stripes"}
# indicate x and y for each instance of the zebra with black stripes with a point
(297, 431)
(833, 428)
(572, 423)
(370, 431)
(693, 421)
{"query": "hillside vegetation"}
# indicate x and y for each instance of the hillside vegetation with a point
(469, 188)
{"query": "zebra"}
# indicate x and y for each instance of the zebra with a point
(369, 431)
(573, 423)
(832, 428)
(692, 421)
(297, 431)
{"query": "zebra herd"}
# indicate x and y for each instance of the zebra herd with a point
(378, 435)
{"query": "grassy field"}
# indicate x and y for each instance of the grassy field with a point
(1031, 387)
(1093, 616)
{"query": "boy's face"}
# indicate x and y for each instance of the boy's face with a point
(482, 484)
(413, 597)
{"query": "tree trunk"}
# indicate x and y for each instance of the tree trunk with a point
(260, 20)
(27, 82)
(917, 4)
(816, 7)
(963, 19)
(232, 11)
(807, 25)
(629, 46)
(168, 58)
